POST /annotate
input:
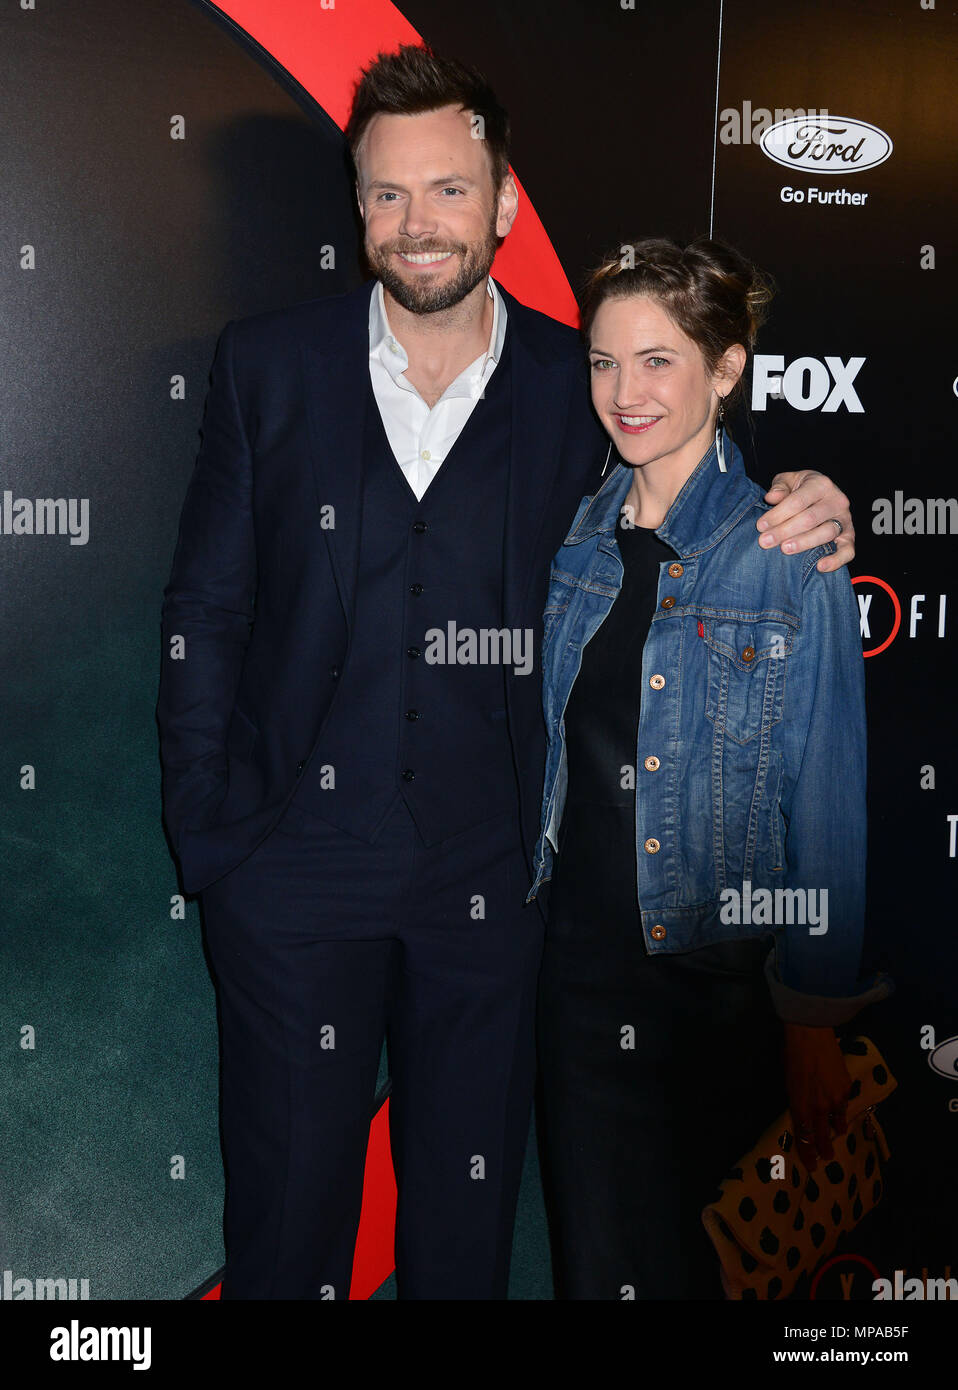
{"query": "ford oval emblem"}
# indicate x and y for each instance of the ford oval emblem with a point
(944, 1059)
(826, 144)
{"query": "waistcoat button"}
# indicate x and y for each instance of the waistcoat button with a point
(656, 682)
(676, 570)
(408, 775)
(652, 764)
(652, 846)
(419, 527)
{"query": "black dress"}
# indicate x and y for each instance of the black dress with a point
(637, 1130)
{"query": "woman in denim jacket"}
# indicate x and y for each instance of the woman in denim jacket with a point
(703, 817)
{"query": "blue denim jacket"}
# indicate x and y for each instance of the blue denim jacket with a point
(750, 755)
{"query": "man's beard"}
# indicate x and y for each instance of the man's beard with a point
(421, 297)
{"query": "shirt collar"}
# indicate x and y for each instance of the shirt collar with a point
(700, 514)
(389, 350)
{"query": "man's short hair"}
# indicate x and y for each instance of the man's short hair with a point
(415, 80)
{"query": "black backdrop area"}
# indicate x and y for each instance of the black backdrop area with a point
(143, 246)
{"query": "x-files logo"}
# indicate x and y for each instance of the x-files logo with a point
(843, 1285)
(848, 1277)
(864, 612)
(916, 614)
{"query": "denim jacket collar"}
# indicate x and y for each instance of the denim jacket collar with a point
(709, 504)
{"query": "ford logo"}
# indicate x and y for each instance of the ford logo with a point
(826, 144)
(944, 1059)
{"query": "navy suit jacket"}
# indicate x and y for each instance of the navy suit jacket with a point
(258, 610)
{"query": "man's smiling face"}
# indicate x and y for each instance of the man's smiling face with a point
(432, 218)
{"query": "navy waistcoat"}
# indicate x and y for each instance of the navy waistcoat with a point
(409, 719)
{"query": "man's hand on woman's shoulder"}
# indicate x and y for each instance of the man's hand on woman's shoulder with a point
(806, 503)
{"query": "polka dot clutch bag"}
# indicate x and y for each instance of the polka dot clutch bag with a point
(774, 1221)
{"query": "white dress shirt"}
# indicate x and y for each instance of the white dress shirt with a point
(421, 437)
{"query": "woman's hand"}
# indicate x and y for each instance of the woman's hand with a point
(805, 503)
(818, 1084)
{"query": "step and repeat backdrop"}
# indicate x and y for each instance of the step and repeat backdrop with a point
(169, 166)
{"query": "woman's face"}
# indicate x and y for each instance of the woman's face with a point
(649, 384)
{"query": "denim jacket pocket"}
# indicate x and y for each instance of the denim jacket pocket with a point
(747, 661)
(563, 589)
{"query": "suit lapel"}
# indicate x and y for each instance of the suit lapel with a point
(336, 385)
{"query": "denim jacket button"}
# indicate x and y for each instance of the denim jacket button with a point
(668, 602)
(748, 654)
(656, 682)
(652, 764)
(676, 570)
(652, 846)
(658, 932)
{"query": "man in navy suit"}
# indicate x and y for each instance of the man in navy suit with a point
(350, 721)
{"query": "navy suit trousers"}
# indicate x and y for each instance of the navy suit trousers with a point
(322, 945)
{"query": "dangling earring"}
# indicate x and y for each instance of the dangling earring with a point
(606, 464)
(719, 445)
